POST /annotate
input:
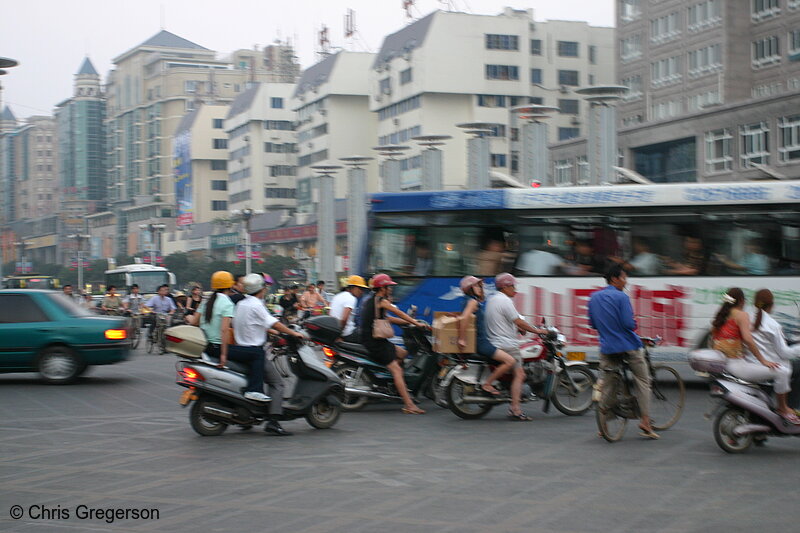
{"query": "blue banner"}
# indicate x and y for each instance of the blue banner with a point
(182, 171)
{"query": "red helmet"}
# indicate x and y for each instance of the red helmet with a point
(382, 280)
(504, 280)
(467, 282)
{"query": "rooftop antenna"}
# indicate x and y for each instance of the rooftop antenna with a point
(324, 42)
(407, 5)
(351, 30)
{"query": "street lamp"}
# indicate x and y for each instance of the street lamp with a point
(23, 262)
(79, 239)
(153, 229)
(245, 215)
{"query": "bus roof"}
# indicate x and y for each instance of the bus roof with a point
(137, 267)
(672, 194)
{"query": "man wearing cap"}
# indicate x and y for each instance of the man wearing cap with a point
(503, 321)
(344, 304)
(251, 320)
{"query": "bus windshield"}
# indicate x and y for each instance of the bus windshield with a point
(149, 282)
(43, 282)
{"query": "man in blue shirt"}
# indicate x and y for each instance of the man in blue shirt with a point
(161, 303)
(611, 314)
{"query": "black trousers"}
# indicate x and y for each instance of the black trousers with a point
(794, 394)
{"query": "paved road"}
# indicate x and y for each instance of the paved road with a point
(118, 439)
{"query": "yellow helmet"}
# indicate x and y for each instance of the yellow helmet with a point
(356, 281)
(221, 279)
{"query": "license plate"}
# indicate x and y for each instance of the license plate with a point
(187, 396)
(576, 356)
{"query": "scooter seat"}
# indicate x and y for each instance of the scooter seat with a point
(352, 347)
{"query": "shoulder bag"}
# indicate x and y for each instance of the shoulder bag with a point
(381, 328)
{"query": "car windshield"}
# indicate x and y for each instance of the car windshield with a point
(68, 305)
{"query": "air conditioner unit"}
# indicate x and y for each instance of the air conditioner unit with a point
(575, 121)
(387, 90)
(378, 97)
(563, 89)
(323, 112)
(396, 121)
(246, 138)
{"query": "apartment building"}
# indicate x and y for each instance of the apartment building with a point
(262, 144)
(150, 89)
(450, 68)
(334, 119)
(713, 91)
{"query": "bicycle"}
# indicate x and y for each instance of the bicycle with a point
(136, 329)
(667, 389)
(156, 336)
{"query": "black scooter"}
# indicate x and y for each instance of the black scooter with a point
(367, 380)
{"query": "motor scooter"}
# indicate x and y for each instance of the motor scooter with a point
(745, 412)
(367, 380)
(548, 376)
(312, 391)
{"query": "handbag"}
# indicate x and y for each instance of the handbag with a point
(381, 328)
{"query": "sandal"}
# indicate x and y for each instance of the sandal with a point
(792, 418)
(489, 389)
(414, 411)
(520, 417)
(648, 433)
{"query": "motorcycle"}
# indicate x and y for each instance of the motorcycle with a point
(367, 380)
(745, 412)
(312, 391)
(548, 376)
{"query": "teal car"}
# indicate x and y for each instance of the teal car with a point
(46, 332)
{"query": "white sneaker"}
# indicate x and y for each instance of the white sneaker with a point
(256, 396)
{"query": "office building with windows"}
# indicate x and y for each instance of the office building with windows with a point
(262, 148)
(331, 101)
(150, 89)
(450, 68)
(714, 91)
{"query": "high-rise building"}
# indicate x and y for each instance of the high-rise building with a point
(151, 88)
(81, 142)
(713, 90)
(450, 68)
(262, 142)
(35, 168)
(8, 126)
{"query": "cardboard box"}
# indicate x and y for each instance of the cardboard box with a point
(445, 333)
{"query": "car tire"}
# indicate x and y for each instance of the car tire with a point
(59, 365)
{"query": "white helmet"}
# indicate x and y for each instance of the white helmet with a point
(253, 283)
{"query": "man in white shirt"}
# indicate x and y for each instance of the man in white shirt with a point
(251, 320)
(502, 323)
(344, 304)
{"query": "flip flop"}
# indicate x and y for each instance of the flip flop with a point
(520, 417)
(489, 389)
(416, 411)
(791, 418)
(648, 434)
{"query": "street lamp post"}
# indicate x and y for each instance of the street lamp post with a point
(246, 215)
(79, 239)
(153, 229)
(23, 260)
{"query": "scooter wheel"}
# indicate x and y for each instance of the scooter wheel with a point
(323, 415)
(202, 425)
(725, 423)
(347, 374)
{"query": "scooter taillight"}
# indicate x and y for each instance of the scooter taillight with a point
(717, 390)
(329, 353)
(190, 374)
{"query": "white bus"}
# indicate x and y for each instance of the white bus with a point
(147, 277)
(683, 244)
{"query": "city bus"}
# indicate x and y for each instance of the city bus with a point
(683, 245)
(31, 281)
(147, 277)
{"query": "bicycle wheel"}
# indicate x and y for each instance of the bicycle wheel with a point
(162, 340)
(609, 423)
(136, 333)
(668, 397)
(151, 341)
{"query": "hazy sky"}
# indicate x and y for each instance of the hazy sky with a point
(51, 37)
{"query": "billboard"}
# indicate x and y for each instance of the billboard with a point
(182, 172)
